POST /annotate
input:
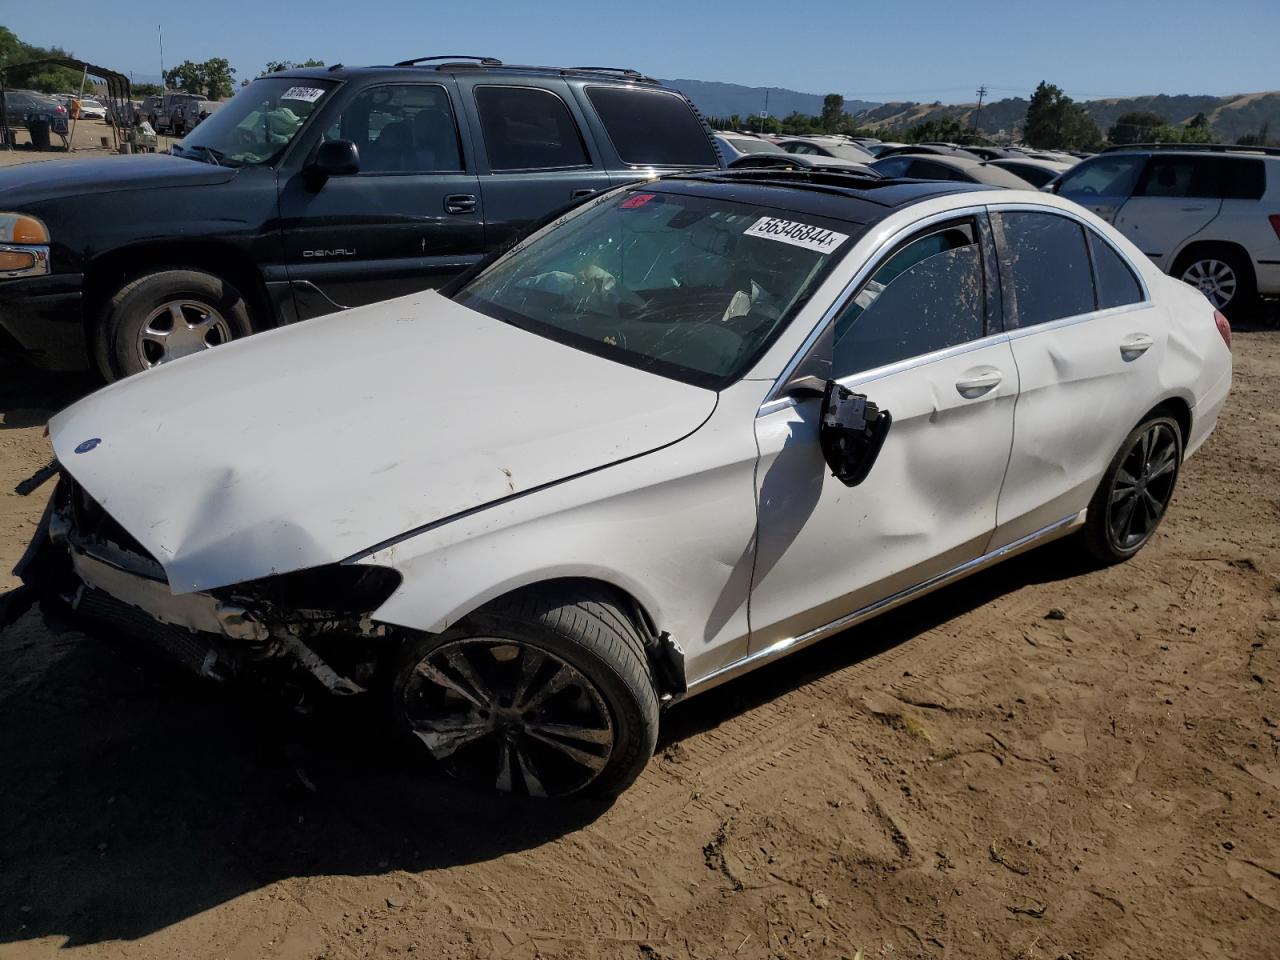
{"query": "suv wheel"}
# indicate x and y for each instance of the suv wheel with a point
(166, 315)
(545, 693)
(1135, 491)
(1223, 276)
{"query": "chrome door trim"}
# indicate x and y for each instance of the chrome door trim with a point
(792, 644)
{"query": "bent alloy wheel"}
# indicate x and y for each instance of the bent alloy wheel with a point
(1135, 491)
(179, 328)
(509, 716)
(1214, 278)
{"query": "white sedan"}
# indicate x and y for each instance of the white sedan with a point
(684, 430)
(92, 110)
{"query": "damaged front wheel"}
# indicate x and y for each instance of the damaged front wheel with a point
(543, 694)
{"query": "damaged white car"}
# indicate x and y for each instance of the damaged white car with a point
(681, 431)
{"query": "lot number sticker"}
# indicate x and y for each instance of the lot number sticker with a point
(305, 94)
(797, 234)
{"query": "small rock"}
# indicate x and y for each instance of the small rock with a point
(820, 899)
(1056, 613)
(1228, 845)
(395, 902)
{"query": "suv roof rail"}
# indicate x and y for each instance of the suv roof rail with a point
(486, 61)
(1196, 148)
(627, 72)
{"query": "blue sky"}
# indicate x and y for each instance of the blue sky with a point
(921, 50)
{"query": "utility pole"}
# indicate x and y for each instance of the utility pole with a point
(160, 33)
(982, 95)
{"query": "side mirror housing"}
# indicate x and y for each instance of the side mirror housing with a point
(851, 433)
(335, 158)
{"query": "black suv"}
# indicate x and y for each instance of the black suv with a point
(312, 191)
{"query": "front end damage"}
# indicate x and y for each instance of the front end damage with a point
(316, 621)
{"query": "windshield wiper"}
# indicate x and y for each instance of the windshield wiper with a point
(215, 156)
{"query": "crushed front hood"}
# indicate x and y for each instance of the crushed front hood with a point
(306, 445)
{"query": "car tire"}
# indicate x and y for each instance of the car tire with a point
(546, 692)
(139, 324)
(1135, 491)
(1225, 276)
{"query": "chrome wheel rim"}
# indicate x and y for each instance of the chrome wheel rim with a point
(1143, 487)
(180, 328)
(1215, 279)
(510, 716)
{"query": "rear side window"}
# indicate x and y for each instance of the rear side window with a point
(527, 128)
(1102, 176)
(893, 166)
(1115, 282)
(1241, 179)
(928, 170)
(1044, 267)
(927, 296)
(648, 127)
(1178, 177)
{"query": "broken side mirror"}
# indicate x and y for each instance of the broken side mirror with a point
(852, 432)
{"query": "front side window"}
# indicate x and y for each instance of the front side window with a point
(527, 128)
(1101, 177)
(652, 128)
(1044, 267)
(927, 296)
(402, 128)
(1116, 284)
(690, 287)
(258, 123)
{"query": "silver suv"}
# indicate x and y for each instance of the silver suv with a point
(1210, 216)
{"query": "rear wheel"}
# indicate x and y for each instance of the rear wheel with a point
(1135, 491)
(1223, 276)
(545, 693)
(166, 315)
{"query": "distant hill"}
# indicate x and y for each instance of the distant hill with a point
(725, 99)
(1231, 116)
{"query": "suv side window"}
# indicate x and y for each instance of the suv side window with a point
(1115, 282)
(1177, 177)
(894, 166)
(1044, 267)
(652, 128)
(1241, 178)
(928, 295)
(402, 128)
(1102, 176)
(528, 128)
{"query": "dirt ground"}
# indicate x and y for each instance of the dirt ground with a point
(87, 143)
(967, 777)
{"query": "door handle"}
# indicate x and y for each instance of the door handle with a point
(1192, 209)
(1132, 347)
(460, 203)
(581, 194)
(979, 382)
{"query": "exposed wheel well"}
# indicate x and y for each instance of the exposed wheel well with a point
(1202, 248)
(109, 272)
(1177, 408)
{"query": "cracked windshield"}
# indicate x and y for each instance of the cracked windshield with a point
(685, 286)
(257, 125)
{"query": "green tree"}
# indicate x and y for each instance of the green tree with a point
(832, 112)
(186, 76)
(46, 79)
(1056, 122)
(275, 66)
(1135, 127)
(213, 79)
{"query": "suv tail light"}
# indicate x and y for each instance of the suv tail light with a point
(1224, 327)
(1275, 223)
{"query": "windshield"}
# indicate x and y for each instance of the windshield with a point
(257, 124)
(694, 288)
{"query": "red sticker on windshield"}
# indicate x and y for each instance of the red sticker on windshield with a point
(636, 200)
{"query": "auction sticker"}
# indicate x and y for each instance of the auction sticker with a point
(797, 234)
(305, 94)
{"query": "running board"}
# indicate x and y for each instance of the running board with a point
(792, 644)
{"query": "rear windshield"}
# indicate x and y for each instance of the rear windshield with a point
(652, 128)
(693, 288)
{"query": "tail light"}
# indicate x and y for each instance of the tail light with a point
(1224, 327)
(1275, 223)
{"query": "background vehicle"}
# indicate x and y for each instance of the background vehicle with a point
(316, 190)
(800, 161)
(1035, 172)
(735, 145)
(1209, 216)
(837, 147)
(178, 113)
(22, 105)
(939, 167)
(822, 396)
(935, 150)
(92, 109)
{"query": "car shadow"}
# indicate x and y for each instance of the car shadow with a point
(29, 397)
(134, 797)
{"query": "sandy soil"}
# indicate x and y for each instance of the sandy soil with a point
(963, 778)
(88, 143)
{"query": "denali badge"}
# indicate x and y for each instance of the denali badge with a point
(335, 252)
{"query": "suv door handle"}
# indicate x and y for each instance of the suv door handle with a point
(580, 194)
(1132, 347)
(978, 382)
(460, 203)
